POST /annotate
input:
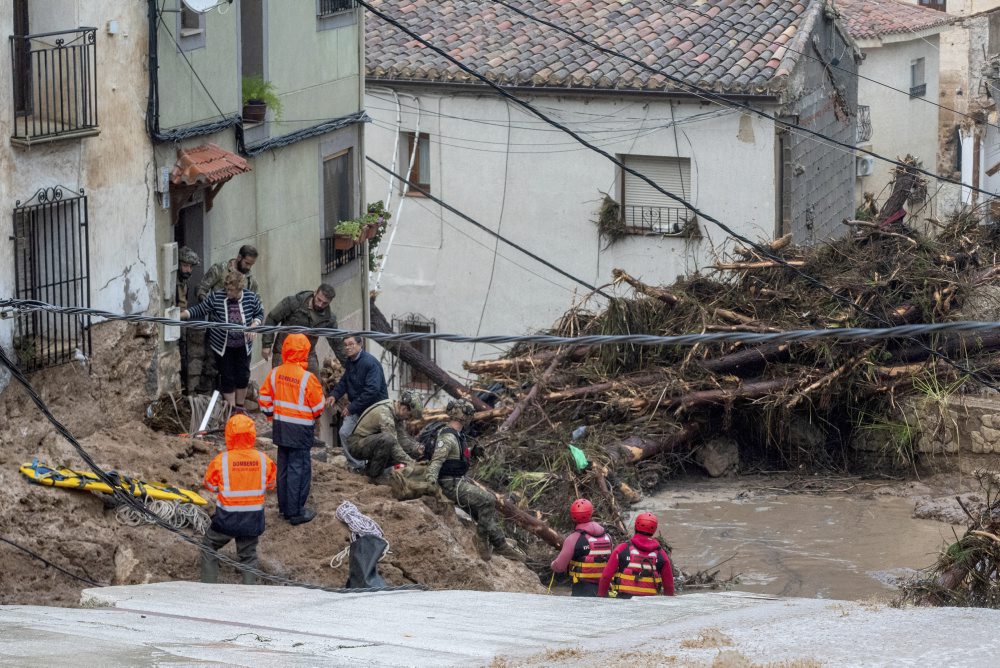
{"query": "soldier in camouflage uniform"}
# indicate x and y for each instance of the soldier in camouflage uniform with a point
(380, 436)
(304, 309)
(201, 361)
(187, 260)
(448, 465)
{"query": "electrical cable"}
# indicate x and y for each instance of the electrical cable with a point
(786, 336)
(86, 581)
(758, 247)
(126, 498)
(699, 91)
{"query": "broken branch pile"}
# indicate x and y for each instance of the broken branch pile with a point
(649, 410)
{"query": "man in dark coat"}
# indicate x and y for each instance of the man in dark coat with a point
(364, 384)
(309, 308)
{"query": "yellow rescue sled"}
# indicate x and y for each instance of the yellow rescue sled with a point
(44, 475)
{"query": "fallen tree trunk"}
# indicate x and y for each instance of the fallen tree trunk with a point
(530, 521)
(634, 449)
(745, 360)
(621, 276)
(764, 264)
(416, 359)
(515, 414)
(521, 364)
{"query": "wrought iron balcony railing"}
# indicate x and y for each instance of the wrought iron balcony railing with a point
(334, 258)
(329, 7)
(864, 123)
(662, 220)
(54, 85)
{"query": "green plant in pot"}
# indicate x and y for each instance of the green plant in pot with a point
(259, 96)
(347, 234)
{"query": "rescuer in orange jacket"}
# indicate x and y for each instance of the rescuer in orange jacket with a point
(639, 566)
(239, 477)
(292, 398)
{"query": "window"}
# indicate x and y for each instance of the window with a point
(647, 210)
(421, 172)
(410, 378)
(335, 14)
(190, 28)
(918, 85)
(51, 264)
(940, 5)
(337, 206)
(21, 48)
(326, 8)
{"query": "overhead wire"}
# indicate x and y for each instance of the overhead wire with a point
(35, 555)
(126, 498)
(625, 168)
(693, 89)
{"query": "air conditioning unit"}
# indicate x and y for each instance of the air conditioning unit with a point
(865, 165)
(168, 270)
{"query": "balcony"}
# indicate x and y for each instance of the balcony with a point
(326, 8)
(335, 258)
(864, 123)
(54, 86)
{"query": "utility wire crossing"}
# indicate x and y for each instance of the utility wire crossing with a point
(789, 336)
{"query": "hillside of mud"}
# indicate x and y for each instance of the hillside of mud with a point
(102, 405)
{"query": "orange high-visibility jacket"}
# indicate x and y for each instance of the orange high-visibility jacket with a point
(240, 478)
(291, 396)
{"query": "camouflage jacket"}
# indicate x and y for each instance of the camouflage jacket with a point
(296, 310)
(381, 418)
(181, 296)
(447, 447)
(216, 275)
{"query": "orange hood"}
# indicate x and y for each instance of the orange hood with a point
(241, 433)
(295, 350)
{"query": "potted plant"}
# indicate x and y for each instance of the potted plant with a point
(347, 234)
(259, 96)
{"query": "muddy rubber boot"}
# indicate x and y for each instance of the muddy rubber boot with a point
(510, 550)
(484, 548)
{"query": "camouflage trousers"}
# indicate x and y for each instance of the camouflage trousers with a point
(477, 502)
(380, 450)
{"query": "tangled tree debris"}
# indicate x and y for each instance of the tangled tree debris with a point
(651, 410)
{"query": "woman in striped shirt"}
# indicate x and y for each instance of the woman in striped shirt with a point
(235, 305)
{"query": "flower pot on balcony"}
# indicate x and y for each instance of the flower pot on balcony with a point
(343, 242)
(368, 232)
(254, 111)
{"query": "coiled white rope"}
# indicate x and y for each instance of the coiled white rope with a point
(177, 515)
(360, 525)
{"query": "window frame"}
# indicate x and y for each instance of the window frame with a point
(410, 378)
(189, 38)
(415, 175)
(668, 205)
(337, 19)
(918, 88)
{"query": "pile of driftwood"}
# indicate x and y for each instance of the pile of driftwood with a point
(966, 571)
(792, 405)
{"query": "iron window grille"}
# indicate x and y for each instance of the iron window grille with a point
(335, 258)
(656, 219)
(52, 264)
(54, 85)
(330, 7)
(864, 123)
(410, 378)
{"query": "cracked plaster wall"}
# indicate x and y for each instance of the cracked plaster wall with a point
(112, 168)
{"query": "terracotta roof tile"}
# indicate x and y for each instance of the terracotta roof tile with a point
(866, 19)
(732, 45)
(206, 164)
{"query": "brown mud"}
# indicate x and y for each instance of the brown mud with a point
(102, 406)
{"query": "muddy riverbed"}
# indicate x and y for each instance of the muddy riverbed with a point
(850, 546)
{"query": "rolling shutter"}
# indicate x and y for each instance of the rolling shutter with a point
(644, 205)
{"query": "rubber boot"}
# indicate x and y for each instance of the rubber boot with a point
(510, 550)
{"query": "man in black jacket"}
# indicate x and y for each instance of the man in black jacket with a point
(364, 384)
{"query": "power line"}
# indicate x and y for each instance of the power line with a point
(701, 338)
(718, 223)
(35, 555)
(699, 91)
(126, 498)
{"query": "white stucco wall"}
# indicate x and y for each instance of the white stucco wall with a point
(900, 125)
(113, 168)
(511, 172)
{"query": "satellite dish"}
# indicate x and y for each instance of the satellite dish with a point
(200, 6)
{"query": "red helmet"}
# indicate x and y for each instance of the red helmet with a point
(646, 523)
(581, 511)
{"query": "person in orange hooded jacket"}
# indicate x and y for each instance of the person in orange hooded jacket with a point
(292, 398)
(240, 478)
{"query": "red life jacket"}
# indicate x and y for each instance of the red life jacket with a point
(638, 572)
(589, 557)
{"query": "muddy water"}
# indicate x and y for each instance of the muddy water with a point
(836, 547)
